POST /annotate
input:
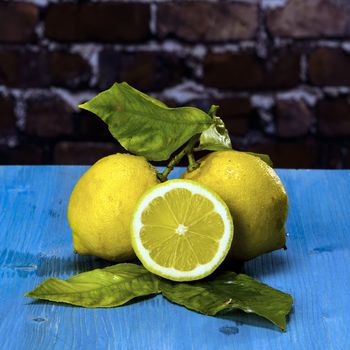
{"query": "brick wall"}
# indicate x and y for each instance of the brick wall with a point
(280, 70)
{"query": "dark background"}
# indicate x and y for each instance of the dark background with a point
(280, 70)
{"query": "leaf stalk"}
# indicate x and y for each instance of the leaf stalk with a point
(187, 150)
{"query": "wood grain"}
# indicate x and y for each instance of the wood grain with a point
(35, 243)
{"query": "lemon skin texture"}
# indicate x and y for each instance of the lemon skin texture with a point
(102, 203)
(255, 196)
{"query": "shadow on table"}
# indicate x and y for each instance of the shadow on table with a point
(27, 264)
(237, 319)
(42, 265)
(260, 267)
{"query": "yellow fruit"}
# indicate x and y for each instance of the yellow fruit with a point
(181, 230)
(102, 203)
(255, 196)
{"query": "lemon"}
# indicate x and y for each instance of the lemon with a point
(181, 230)
(255, 196)
(102, 203)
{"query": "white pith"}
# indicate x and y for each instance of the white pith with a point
(219, 207)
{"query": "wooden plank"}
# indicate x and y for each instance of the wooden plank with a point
(35, 243)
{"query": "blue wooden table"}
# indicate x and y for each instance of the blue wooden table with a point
(35, 243)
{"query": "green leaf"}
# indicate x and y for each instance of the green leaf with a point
(116, 285)
(144, 125)
(228, 291)
(264, 157)
(112, 286)
(216, 137)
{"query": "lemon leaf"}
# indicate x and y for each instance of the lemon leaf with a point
(112, 286)
(118, 284)
(144, 125)
(216, 137)
(228, 291)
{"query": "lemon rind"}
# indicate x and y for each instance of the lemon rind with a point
(171, 273)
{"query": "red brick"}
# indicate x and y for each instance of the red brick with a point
(83, 152)
(9, 68)
(246, 71)
(143, 70)
(92, 128)
(236, 113)
(302, 154)
(203, 104)
(102, 22)
(333, 155)
(203, 21)
(334, 117)
(7, 113)
(17, 22)
(346, 159)
(26, 154)
(20, 67)
(310, 19)
(68, 69)
(329, 67)
(23, 68)
(233, 71)
(293, 118)
(170, 102)
(48, 116)
(282, 70)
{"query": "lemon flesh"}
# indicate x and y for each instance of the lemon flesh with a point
(255, 196)
(102, 203)
(181, 230)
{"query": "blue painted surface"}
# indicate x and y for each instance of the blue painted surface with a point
(35, 243)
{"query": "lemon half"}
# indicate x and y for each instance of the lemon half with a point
(255, 195)
(181, 230)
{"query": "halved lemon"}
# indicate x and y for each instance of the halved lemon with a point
(181, 230)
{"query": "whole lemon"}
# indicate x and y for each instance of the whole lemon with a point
(255, 196)
(102, 203)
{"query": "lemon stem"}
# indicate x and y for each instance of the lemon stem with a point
(187, 150)
(192, 162)
(212, 111)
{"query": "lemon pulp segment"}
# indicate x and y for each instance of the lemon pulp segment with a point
(181, 230)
